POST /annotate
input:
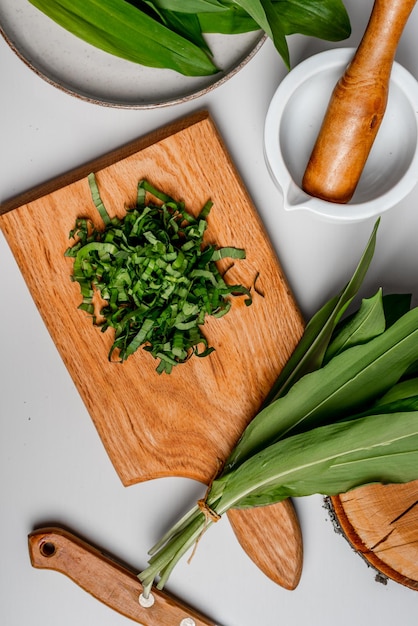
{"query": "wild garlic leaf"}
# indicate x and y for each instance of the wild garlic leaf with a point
(374, 316)
(119, 28)
(255, 8)
(402, 405)
(356, 377)
(329, 460)
(278, 33)
(395, 305)
(368, 322)
(233, 21)
(186, 25)
(309, 353)
(336, 448)
(404, 389)
(262, 12)
(191, 6)
(327, 19)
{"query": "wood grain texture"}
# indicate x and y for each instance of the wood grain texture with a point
(186, 423)
(381, 522)
(279, 554)
(180, 424)
(357, 107)
(107, 580)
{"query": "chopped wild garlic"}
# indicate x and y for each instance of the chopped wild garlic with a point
(154, 278)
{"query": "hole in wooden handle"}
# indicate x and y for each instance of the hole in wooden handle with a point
(47, 549)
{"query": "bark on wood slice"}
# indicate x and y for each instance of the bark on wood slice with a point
(381, 523)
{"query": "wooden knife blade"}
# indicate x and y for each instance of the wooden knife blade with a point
(107, 580)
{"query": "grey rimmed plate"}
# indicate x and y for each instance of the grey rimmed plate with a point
(86, 72)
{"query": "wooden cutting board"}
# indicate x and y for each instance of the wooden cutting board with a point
(154, 425)
(185, 423)
(381, 523)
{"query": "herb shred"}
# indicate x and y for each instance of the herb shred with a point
(150, 277)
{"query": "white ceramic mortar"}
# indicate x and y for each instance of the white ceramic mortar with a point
(293, 122)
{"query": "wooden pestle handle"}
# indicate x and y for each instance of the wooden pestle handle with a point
(357, 107)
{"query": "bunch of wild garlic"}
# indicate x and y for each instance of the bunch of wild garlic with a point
(343, 413)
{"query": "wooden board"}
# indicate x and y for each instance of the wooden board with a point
(381, 522)
(184, 423)
(272, 538)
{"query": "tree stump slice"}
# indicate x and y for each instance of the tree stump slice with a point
(381, 523)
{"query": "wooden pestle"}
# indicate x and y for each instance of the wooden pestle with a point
(357, 107)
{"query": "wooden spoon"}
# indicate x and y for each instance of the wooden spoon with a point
(357, 107)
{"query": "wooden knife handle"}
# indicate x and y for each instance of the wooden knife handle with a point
(357, 107)
(107, 580)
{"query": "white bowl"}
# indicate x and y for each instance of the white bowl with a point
(293, 122)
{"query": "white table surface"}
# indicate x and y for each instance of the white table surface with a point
(53, 467)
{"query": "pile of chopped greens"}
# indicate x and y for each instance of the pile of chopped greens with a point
(170, 33)
(344, 413)
(153, 277)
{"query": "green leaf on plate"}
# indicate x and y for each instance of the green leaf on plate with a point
(325, 19)
(188, 26)
(233, 21)
(262, 12)
(119, 28)
(191, 6)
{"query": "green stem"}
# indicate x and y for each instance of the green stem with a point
(178, 541)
